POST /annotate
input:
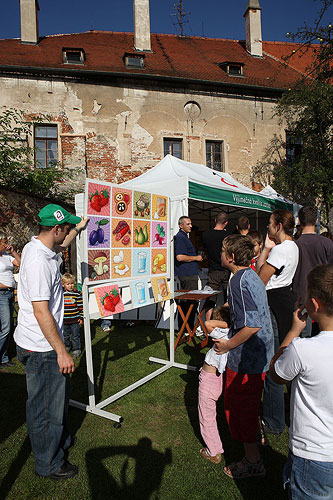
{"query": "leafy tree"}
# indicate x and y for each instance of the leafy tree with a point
(308, 35)
(306, 111)
(17, 169)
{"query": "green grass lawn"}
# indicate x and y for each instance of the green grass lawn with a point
(155, 453)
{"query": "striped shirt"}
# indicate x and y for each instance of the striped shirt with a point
(73, 307)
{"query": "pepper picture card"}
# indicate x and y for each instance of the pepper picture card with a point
(161, 289)
(109, 300)
(141, 261)
(159, 234)
(140, 292)
(158, 261)
(98, 232)
(121, 233)
(141, 233)
(98, 199)
(141, 205)
(121, 263)
(98, 265)
(159, 208)
(121, 202)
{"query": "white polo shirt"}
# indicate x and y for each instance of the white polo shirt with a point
(309, 364)
(39, 279)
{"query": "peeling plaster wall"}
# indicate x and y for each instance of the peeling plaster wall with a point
(116, 132)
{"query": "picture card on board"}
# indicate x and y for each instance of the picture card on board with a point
(98, 199)
(109, 300)
(99, 264)
(98, 232)
(140, 292)
(160, 289)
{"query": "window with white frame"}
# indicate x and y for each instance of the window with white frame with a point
(214, 155)
(46, 145)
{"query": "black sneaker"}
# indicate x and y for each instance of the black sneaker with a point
(65, 472)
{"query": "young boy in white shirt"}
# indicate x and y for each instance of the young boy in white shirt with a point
(308, 362)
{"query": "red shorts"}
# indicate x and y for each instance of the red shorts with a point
(242, 398)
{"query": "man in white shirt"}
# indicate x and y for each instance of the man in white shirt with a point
(308, 363)
(40, 346)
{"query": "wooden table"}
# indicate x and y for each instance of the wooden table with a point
(194, 297)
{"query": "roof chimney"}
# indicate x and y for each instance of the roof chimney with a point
(141, 25)
(29, 21)
(253, 28)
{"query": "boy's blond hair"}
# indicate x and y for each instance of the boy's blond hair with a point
(67, 278)
(241, 247)
(320, 286)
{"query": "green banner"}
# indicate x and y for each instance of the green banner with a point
(244, 200)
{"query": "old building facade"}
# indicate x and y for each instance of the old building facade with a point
(118, 102)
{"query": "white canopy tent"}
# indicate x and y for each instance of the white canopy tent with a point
(183, 181)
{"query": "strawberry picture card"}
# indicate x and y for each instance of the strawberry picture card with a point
(109, 300)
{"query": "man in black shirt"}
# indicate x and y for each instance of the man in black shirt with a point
(314, 250)
(218, 276)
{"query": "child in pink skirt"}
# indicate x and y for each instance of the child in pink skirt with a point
(210, 387)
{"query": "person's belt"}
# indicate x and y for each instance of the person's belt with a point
(8, 289)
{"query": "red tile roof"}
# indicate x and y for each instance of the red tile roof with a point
(193, 58)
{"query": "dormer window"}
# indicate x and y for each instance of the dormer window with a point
(233, 68)
(135, 61)
(73, 56)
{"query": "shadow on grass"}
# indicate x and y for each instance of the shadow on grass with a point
(14, 394)
(111, 346)
(148, 471)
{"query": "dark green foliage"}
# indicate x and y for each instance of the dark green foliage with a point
(306, 112)
(17, 169)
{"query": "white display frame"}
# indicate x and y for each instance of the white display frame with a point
(87, 291)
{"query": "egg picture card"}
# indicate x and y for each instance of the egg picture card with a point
(109, 300)
(121, 263)
(140, 292)
(98, 265)
(98, 199)
(161, 289)
(121, 202)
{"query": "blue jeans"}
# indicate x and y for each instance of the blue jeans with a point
(6, 315)
(273, 399)
(46, 409)
(72, 330)
(308, 479)
(105, 323)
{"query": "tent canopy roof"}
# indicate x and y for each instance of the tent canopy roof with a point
(181, 179)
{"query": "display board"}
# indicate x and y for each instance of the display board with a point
(128, 241)
(126, 259)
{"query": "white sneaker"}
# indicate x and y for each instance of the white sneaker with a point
(199, 332)
(106, 329)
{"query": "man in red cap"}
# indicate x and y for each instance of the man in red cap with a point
(39, 339)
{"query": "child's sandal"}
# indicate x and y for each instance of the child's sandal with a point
(235, 471)
(216, 459)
